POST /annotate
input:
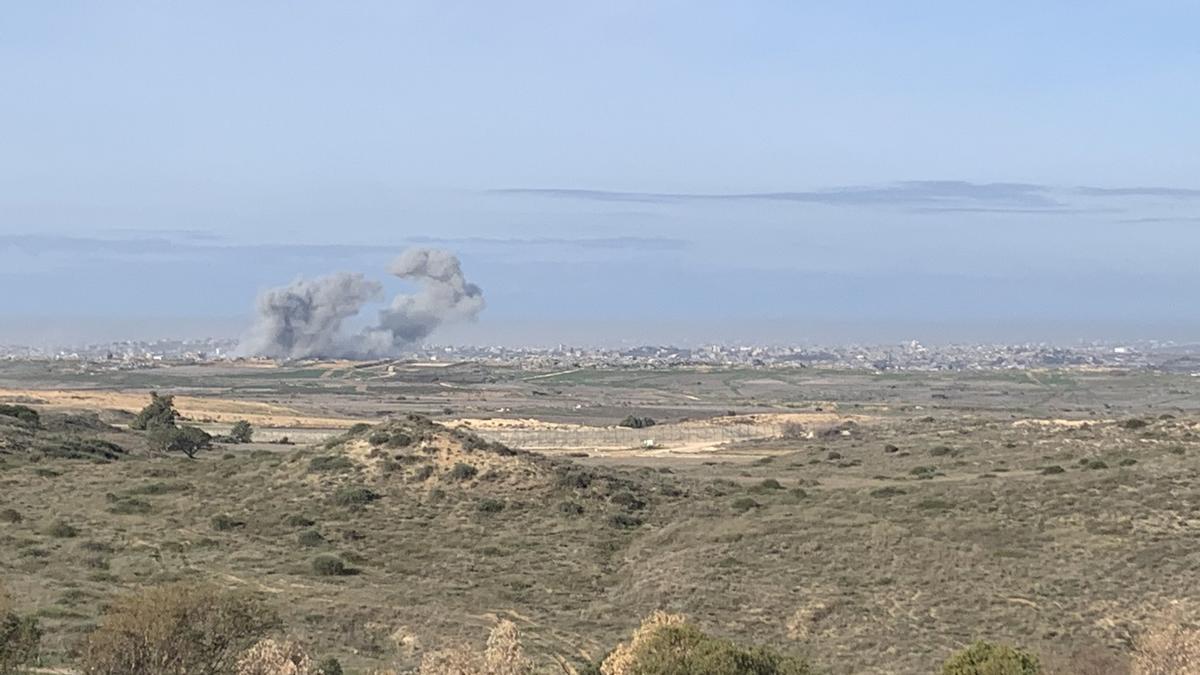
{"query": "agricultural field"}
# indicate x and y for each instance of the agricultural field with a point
(871, 523)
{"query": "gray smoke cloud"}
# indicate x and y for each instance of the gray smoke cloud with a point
(305, 318)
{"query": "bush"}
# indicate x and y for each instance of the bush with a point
(985, 658)
(570, 508)
(666, 645)
(311, 538)
(633, 422)
(23, 413)
(188, 440)
(330, 463)
(224, 523)
(379, 437)
(1134, 424)
(463, 471)
(744, 504)
(159, 413)
(62, 530)
(11, 516)
(297, 520)
(179, 629)
(490, 506)
(624, 521)
(354, 496)
(770, 484)
(629, 500)
(329, 566)
(241, 432)
(19, 637)
(1052, 470)
(329, 666)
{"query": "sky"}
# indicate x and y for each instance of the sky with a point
(610, 171)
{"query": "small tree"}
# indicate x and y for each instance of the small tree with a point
(188, 440)
(241, 432)
(178, 629)
(634, 422)
(160, 413)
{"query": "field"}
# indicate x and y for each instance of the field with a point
(873, 522)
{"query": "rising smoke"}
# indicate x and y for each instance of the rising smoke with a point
(304, 319)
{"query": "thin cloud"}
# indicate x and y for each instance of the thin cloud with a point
(615, 243)
(910, 193)
(921, 196)
(1168, 192)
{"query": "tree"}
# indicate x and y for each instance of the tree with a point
(241, 432)
(188, 440)
(160, 413)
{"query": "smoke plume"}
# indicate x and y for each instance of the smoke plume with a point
(304, 319)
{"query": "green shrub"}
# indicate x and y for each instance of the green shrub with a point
(463, 471)
(770, 484)
(11, 516)
(629, 500)
(311, 538)
(887, 491)
(62, 530)
(354, 496)
(224, 522)
(329, 566)
(399, 439)
(378, 437)
(297, 520)
(188, 440)
(744, 504)
(634, 422)
(329, 666)
(624, 521)
(126, 506)
(1095, 465)
(570, 508)
(490, 506)
(1128, 461)
(330, 463)
(159, 488)
(19, 639)
(423, 473)
(159, 413)
(358, 429)
(241, 432)
(985, 658)
(1052, 470)
(23, 413)
(682, 649)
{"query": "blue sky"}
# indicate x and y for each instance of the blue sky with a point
(616, 170)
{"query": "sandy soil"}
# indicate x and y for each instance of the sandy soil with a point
(194, 408)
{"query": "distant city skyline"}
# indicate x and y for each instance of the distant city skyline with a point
(619, 172)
